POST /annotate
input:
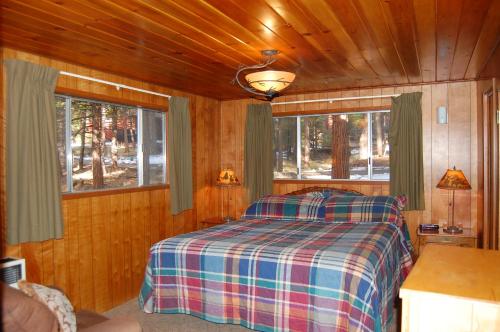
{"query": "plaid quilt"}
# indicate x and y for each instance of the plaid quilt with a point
(281, 276)
(287, 208)
(368, 209)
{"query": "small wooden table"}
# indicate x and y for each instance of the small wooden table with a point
(465, 239)
(452, 289)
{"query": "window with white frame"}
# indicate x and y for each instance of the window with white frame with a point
(349, 146)
(109, 146)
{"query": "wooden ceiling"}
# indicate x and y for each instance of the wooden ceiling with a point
(197, 46)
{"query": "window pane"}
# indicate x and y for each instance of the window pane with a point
(316, 149)
(153, 142)
(61, 139)
(120, 146)
(358, 146)
(380, 145)
(285, 148)
(335, 146)
(81, 143)
(104, 145)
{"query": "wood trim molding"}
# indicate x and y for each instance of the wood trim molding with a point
(110, 99)
(96, 193)
(334, 110)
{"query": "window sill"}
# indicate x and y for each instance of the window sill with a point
(104, 192)
(354, 182)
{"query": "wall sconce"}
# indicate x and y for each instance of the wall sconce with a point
(442, 115)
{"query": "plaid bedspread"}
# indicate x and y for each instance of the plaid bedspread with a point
(281, 276)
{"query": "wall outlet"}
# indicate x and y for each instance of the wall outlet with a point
(442, 115)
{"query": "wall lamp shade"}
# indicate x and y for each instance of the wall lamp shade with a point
(454, 179)
(270, 80)
(227, 178)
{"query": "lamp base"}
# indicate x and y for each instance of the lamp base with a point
(453, 230)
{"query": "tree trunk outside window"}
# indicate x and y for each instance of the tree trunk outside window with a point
(380, 134)
(97, 148)
(340, 148)
(306, 142)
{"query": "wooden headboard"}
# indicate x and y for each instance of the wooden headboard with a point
(320, 189)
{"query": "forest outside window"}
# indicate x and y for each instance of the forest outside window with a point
(109, 146)
(350, 146)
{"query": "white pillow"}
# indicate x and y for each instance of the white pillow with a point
(55, 300)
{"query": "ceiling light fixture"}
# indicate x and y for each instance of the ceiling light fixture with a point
(266, 83)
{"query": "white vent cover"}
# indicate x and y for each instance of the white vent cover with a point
(12, 270)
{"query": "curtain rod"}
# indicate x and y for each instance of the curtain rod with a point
(331, 99)
(117, 85)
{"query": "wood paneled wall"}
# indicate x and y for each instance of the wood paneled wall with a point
(448, 145)
(101, 259)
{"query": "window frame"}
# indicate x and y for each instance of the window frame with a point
(70, 95)
(298, 116)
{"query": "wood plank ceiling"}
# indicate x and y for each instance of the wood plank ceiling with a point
(197, 46)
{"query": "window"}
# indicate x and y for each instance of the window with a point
(285, 148)
(350, 146)
(108, 146)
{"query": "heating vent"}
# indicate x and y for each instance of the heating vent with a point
(12, 270)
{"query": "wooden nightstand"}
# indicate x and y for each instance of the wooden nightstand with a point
(465, 239)
(211, 222)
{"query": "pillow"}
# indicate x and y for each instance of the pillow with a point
(55, 300)
(287, 208)
(365, 209)
(317, 194)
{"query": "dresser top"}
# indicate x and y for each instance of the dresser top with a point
(456, 271)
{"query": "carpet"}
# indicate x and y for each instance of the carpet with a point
(176, 322)
(170, 322)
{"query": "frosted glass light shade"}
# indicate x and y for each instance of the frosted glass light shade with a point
(270, 80)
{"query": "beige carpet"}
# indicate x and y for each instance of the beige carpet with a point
(170, 322)
(174, 322)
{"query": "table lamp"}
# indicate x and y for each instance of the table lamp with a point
(226, 179)
(453, 179)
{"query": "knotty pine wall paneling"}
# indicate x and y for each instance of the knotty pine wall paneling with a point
(454, 144)
(100, 260)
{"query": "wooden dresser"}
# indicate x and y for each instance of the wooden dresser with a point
(452, 289)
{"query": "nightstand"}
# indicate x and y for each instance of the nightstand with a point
(465, 239)
(211, 222)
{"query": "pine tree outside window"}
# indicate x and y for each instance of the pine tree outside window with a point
(349, 146)
(109, 146)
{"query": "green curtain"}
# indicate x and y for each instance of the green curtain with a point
(406, 156)
(179, 155)
(259, 151)
(33, 170)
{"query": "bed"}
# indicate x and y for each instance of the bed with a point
(289, 274)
